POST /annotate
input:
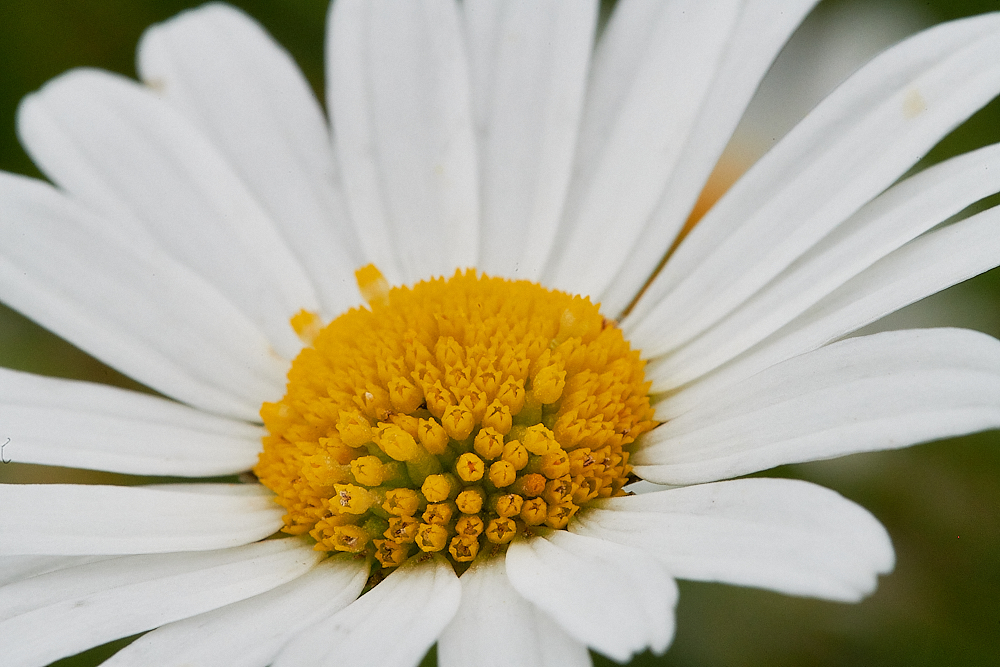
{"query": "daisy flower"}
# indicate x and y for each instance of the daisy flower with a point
(387, 322)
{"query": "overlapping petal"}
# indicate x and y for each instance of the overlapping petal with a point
(250, 633)
(130, 306)
(528, 63)
(882, 391)
(398, 94)
(92, 426)
(157, 181)
(889, 221)
(199, 213)
(922, 267)
(77, 519)
(96, 602)
(16, 568)
(785, 535)
(613, 598)
(392, 624)
(696, 63)
(244, 91)
(496, 627)
(855, 144)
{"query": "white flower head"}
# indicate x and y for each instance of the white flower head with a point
(452, 457)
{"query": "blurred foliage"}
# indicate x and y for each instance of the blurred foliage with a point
(939, 501)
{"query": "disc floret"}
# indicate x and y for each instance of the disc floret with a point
(450, 417)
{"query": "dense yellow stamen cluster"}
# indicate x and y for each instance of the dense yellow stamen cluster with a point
(451, 416)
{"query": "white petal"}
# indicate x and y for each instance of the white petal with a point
(613, 598)
(135, 309)
(75, 519)
(883, 391)
(392, 624)
(84, 425)
(887, 222)
(642, 486)
(16, 568)
(64, 612)
(920, 268)
(244, 91)
(824, 51)
(529, 63)
(250, 633)
(115, 146)
(785, 535)
(637, 176)
(851, 147)
(496, 627)
(398, 91)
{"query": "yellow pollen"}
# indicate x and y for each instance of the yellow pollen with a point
(548, 383)
(389, 553)
(401, 502)
(502, 474)
(433, 436)
(458, 421)
(470, 501)
(470, 525)
(539, 440)
(501, 530)
(530, 485)
(402, 529)
(370, 471)
(581, 461)
(515, 454)
(350, 538)
(534, 512)
(354, 428)
(463, 548)
(508, 505)
(511, 395)
(438, 487)
(498, 418)
(397, 443)
(470, 467)
(559, 515)
(432, 537)
(439, 513)
(450, 416)
(352, 499)
(554, 464)
(489, 443)
(557, 490)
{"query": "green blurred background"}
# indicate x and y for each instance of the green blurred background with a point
(939, 501)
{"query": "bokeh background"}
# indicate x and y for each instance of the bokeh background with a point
(940, 501)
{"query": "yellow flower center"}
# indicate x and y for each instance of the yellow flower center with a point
(450, 417)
